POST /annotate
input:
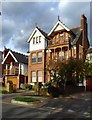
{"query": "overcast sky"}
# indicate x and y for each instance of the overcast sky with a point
(19, 19)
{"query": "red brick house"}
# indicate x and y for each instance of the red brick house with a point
(15, 67)
(61, 42)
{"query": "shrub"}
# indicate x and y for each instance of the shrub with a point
(27, 86)
(26, 99)
(0, 84)
(53, 91)
(4, 92)
(47, 84)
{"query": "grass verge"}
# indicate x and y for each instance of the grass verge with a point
(26, 99)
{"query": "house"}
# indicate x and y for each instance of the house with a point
(15, 66)
(89, 77)
(37, 56)
(61, 42)
(89, 55)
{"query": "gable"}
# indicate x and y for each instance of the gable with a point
(10, 58)
(35, 33)
(58, 26)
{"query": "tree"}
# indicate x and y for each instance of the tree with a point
(87, 69)
(75, 70)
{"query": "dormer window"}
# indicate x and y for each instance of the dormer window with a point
(39, 39)
(36, 39)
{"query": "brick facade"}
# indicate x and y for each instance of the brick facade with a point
(63, 43)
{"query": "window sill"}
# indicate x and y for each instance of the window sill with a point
(39, 62)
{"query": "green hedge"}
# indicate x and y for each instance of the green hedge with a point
(4, 91)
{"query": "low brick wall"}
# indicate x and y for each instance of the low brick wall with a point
(70, 89)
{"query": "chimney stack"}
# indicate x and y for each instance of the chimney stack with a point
(84, 30)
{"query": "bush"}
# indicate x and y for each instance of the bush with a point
(27, 86)
(47, 84)
(4, 92)
(53, 91)
(0, 84)
(26, 99)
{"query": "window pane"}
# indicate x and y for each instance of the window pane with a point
(36, 39)
(33, 76)
(34, 58)
(39, 76)
(40, 57)
(34, 55)
(39, 39)
(40, 54)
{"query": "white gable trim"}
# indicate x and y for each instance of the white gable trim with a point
(8, 55)
(33, 34)
(60, 23)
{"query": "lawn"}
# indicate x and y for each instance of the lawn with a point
(26, 99)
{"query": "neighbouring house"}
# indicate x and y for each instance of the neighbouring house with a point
(89, 55)
(61, 42)
(89, 78)
(15, 66)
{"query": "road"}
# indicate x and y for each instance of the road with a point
(75, 106)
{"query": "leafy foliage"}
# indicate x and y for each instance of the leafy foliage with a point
(4, 92)
(27, 86)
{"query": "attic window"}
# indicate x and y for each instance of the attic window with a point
(39, 39)
(36, 39)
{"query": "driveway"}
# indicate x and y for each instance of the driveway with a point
(74, 106)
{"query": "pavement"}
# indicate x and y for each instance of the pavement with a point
(72, 106)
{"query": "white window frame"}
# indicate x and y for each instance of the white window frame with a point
(33, 76)
(39, 76)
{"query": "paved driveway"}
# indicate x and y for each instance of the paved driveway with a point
(74, 106)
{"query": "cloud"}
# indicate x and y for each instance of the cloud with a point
(19, 18)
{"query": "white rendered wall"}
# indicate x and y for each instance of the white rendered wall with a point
(59, 27)
(37, 46)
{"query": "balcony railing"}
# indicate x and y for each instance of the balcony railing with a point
(57, 42)
(13, 71)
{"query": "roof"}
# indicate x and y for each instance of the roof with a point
(89, 50)
(41, 31)
(77, 31)
(44, 33)
(18, 57)
(56, 25)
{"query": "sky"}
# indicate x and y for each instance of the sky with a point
(19, 19)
